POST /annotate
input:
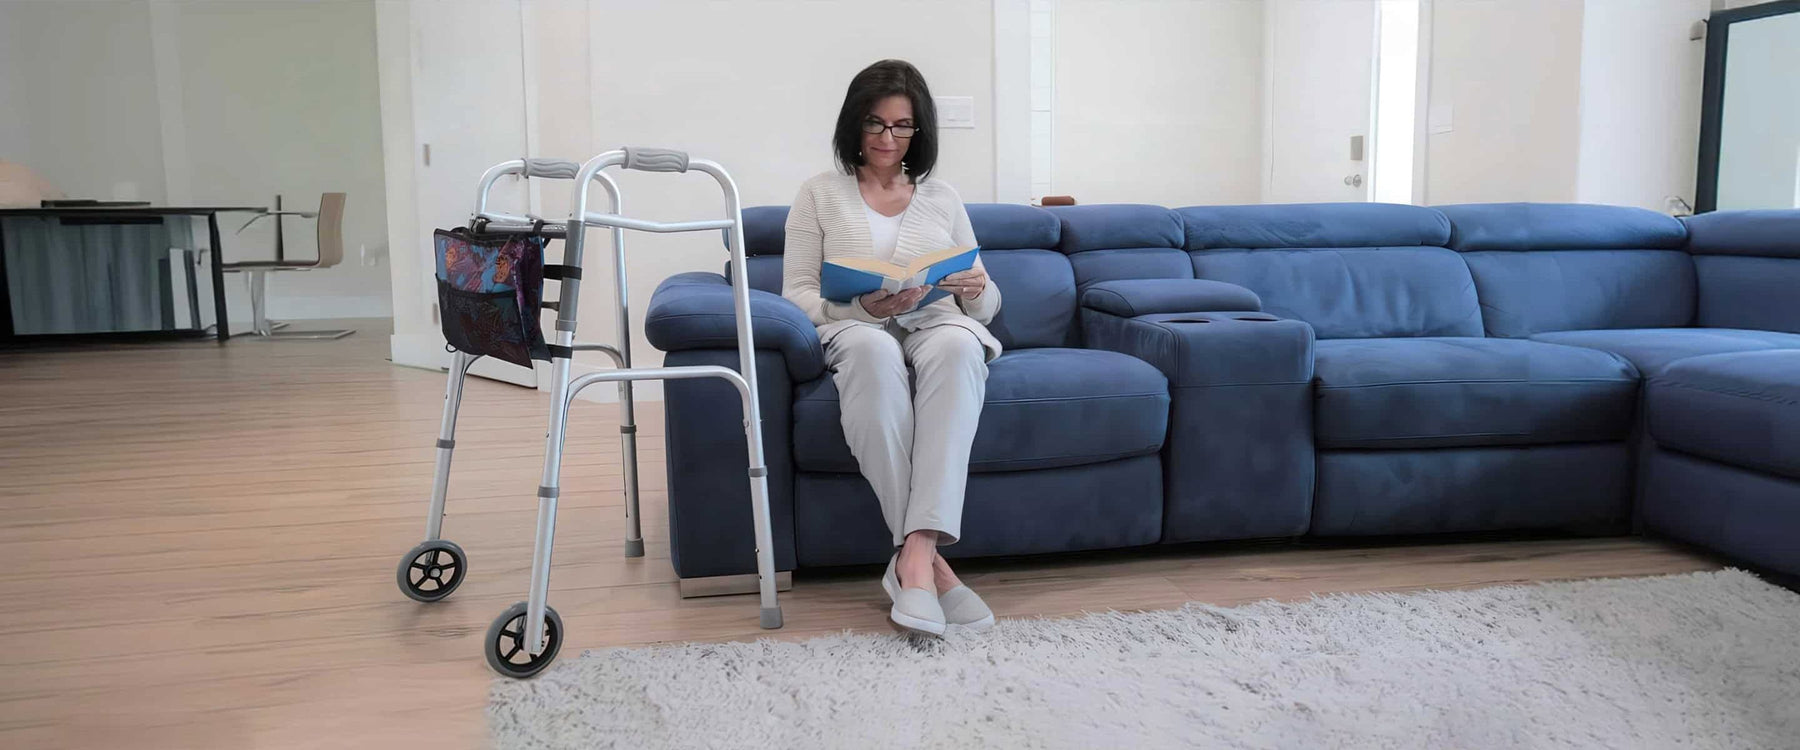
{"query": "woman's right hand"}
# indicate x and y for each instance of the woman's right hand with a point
(882, 304)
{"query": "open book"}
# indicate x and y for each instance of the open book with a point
(847, 279)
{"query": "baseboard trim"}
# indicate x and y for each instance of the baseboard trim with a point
(328, 308)
(746, 583)
(422, 350)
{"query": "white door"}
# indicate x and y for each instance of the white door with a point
(468, 114)
(1320, 65)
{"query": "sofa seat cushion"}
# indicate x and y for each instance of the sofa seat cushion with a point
(1741, 408)
(1652, 349)
(1441, 392)
(1045, 408)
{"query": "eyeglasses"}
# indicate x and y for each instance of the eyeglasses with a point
(875, 127)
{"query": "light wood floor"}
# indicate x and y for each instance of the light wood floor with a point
(197, 549)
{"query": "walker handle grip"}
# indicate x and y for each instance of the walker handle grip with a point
(554, 168)
(655, 159)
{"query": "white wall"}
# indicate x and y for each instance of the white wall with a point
(203, 101)
(15, 127)
(1510, 73)
(1158, 101)
(1640, 101)
(281, 97)
(82, 92)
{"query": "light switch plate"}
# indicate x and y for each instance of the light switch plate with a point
(955, 111)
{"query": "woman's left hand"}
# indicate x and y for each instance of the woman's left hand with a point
(965, 284)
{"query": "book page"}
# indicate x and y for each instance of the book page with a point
(871, 265)
(927, 260)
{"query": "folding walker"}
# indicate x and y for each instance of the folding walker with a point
(526, 636)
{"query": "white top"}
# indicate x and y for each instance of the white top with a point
(884, 230)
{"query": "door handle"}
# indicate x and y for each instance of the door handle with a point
(1354, 180)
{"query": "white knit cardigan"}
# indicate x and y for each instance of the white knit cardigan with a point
(827, 220)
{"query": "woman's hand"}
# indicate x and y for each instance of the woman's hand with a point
(965, 284)
(882, 304)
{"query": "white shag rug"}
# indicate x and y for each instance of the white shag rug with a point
(1702, 660)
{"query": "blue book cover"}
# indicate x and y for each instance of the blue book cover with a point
(845, 280)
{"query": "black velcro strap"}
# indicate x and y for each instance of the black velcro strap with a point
(559, 271)
(561, 352)
(551, 304)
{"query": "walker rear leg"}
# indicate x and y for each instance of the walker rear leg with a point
(634, 532)
(759, 514)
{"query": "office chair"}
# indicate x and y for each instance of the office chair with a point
(330, 218)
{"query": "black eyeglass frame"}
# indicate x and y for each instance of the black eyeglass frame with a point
(894, 130)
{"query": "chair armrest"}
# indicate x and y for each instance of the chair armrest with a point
(694, 311)
(260, 215)
(1133, 297)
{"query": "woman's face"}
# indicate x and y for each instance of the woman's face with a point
(883, 149)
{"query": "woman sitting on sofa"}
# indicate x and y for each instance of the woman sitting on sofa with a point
(911, 438)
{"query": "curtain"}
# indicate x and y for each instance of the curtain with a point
(93, 275)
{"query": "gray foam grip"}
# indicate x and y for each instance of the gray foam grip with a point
(556, 168)
(655, 159)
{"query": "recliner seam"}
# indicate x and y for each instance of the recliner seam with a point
(1771, 398)
(1563, 381)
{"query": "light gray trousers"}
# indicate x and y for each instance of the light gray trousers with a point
(911, 439)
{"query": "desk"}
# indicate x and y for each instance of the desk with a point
(135, 215)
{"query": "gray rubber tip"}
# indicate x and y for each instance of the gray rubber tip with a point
(634, 548)
(771, 618)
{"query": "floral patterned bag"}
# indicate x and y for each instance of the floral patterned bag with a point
(489, 291)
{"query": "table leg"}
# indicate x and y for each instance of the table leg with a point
(193, 287)
(218, 276)
(6, 321)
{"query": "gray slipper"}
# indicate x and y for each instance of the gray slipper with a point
(961, 606)
(916, 610)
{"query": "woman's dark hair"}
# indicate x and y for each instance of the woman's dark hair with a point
(880, 81)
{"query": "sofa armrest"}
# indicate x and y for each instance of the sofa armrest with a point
(710, 525)
(1238, 461)
(1133, 297)
(694, 310)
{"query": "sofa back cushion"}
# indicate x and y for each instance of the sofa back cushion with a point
(1037, 284)
(1747, 264)
(1352, 270)
(765, 237)
(1558, 267)
(1107, 242)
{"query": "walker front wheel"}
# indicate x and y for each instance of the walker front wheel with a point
(430, 571)
(505, 643)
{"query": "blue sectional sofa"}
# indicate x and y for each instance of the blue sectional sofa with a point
(1245, 372)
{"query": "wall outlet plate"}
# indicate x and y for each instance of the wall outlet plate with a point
(1440, 118)
(955, 111)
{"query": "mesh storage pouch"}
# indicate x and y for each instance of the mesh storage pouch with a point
(490, 287)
